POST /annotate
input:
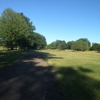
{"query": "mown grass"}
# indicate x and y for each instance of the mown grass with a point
(8, 57)
(78, 73)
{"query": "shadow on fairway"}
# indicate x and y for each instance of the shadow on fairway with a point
(29, 80)
(8, 57)
(77, 85)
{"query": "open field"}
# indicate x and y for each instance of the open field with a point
(78, 72)
(8, 57)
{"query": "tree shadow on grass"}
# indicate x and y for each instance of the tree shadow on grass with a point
(84, 69)
(55, 57)
(50, 56)
(29, 79)
(8, 57)
(77, 85)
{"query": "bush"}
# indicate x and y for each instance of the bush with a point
(61, 47)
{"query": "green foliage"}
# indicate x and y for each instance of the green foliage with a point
(13, 27)
(61, 46)
(95, 47)
(1, 42)
(30, 25)
(37, 41)
(58, 44)
(81, 45)
(98, 48)
(69, 44)
(51, 46)
(86, 40)
(16, 30)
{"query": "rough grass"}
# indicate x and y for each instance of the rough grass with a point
(78, 72)
(8, 57)
(2, 48)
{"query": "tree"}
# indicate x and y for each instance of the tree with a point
(30, 25)
(98, 49)
(95, 47)
(1, 42)
(86, 40)
(73, 46)
(85, 46)
(69, 44)
(61, 46)
(81, 45)
(13, 28)
(51, 46)
(38, 41)
(57, 44)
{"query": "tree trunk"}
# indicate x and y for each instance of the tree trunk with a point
(12, 48)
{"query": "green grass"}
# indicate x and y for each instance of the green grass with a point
(78, 73)
(8, 57)
(2, 48)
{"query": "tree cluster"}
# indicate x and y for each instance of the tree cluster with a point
(81, 44)
(16, 30)
(58, 44)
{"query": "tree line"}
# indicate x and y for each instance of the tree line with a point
(82, 44)
(17, 31)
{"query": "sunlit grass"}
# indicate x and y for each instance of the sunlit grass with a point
(78, 72)
(2, 48)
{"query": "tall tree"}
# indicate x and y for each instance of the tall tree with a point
(30, 24)
(86, 40)
(13, 28)
(38, 41)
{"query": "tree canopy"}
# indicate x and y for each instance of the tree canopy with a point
(69, 44)
(95, 47)
(81, 45)
(58, 44)
(16, 30)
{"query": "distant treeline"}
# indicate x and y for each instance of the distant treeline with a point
(82, 44)
(17, 31)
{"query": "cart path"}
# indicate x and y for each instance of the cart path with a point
(29, 79)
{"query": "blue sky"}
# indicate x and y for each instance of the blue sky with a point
(60, 19)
